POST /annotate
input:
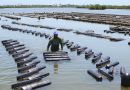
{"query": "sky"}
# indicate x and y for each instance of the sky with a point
(76, 2)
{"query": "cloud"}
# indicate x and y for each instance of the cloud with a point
(81, 2)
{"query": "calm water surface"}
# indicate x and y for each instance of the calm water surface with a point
(70, 75)
(81, 10)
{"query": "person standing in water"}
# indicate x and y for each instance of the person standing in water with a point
(39, 18)
(54, 43)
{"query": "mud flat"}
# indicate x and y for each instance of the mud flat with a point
(85, 17)
(10, 16)
(38, 26)
(66, 30)
(41, 26)
(121, 29)
(87, 33)
(32, 15)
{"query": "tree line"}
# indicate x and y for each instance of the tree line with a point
(96, 6)
(102, 7)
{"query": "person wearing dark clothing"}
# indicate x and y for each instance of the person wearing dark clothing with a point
(54, 43)
(39, 18)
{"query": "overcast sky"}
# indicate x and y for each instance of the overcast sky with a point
(77, 2)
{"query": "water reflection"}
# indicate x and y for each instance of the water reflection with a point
(129, 43)
(125, 88)
(67, 10)
(74, 70)
(55, 68)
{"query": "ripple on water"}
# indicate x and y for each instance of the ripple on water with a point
(70, 75)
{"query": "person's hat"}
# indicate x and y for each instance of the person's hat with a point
(55, 33)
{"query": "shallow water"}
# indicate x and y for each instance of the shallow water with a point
(80, 10)
(70, 75)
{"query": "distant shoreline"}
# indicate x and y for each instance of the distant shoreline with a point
(91, 7)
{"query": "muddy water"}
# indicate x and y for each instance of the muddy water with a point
(65, 75)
